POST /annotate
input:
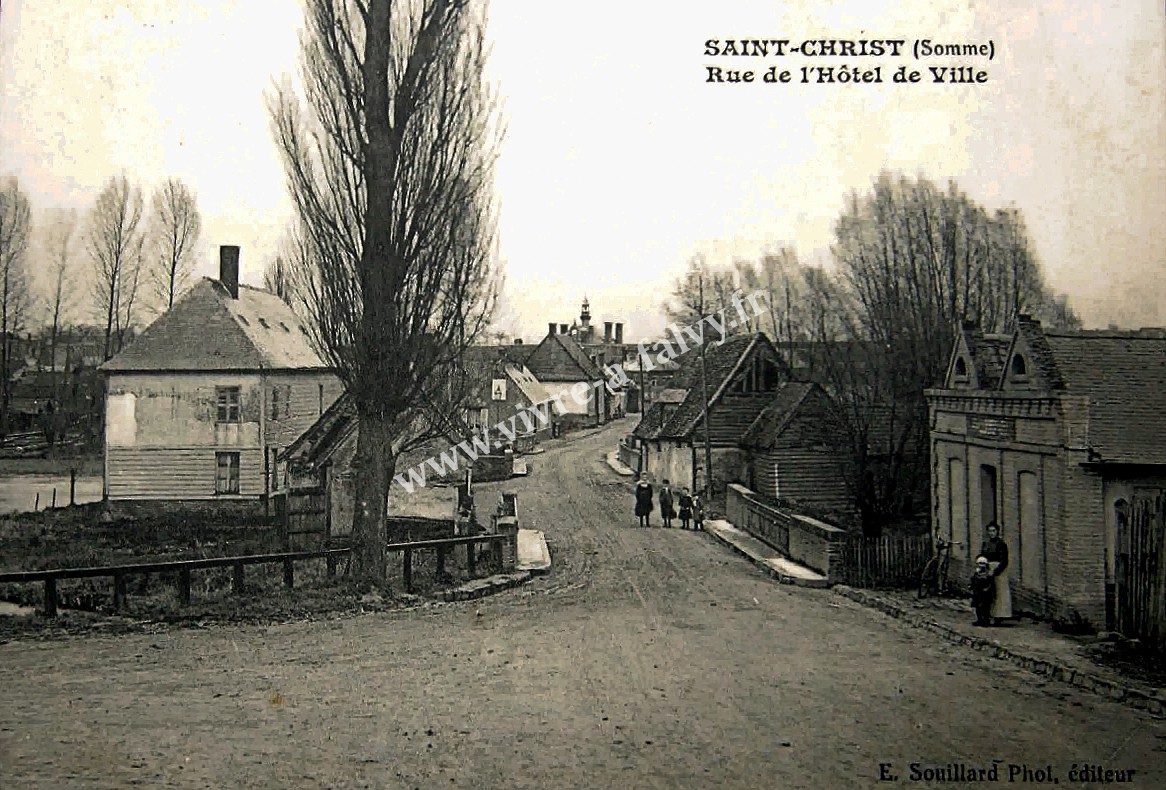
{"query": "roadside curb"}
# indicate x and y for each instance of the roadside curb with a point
(480, 588)
(772, 572)
(1141, 699)
(618, 466)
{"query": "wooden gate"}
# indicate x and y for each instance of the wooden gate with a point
(1140, 572)
(304, 516)
(890, 561)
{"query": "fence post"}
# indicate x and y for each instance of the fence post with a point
(54, 506)
(50, 597)
(72, 487)
(237, 580)
(289, 579)
(498, 561)
(119, 591)
(408, 570)
(471, 560)
(184, 586)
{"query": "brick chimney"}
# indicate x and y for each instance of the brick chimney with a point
(551, 328)
(229, 269)
(518, 341)
(563, 329)
(619, 333)
(606, 331)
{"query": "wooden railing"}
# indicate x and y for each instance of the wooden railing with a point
(118, 573)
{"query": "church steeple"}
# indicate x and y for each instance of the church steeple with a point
(585, 314)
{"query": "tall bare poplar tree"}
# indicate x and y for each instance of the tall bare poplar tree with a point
(389, 159)
(115, 245)
(60, 233)
(15, 229)
(175, 225)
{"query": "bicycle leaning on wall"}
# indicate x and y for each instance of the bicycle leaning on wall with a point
(933, 578)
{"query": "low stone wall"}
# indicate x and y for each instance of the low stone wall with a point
(630, 457)
(804, 540)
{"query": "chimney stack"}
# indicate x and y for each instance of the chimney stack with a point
(551, 328)
(229, 269)
(563, 329)
(606, 331)
(518, 341)
(619, 333)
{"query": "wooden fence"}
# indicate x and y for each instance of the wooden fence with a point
(890, 561)
(118, 573)
(1141, 573)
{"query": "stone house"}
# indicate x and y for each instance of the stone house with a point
(572, 378)
(1049, 433)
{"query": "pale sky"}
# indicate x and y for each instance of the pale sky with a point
(621, 161)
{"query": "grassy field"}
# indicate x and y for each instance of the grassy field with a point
(85, 466)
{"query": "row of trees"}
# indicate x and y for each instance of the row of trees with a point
(135, 260)
(910, 260)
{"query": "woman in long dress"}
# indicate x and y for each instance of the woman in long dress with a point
(995, 550)
(644, 500)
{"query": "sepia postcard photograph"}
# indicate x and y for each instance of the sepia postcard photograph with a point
(644, 394)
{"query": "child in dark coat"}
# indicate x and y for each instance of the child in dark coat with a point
(685, 508)
(697, 512)
(666, 512)
(983, 586)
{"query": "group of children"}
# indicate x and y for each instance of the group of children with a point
(691, 507)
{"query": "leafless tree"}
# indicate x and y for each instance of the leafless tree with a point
(277, 278)
(174, 228)
(59, 243)
(701, 291)
(115, 244)
(913, 260)
(15, 230)
(390, 169)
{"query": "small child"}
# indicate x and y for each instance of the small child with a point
(697, 512)
(685, 508)
(666, 512)
(983, 586)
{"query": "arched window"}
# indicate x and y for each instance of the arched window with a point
(1019, 366)
(961, 367)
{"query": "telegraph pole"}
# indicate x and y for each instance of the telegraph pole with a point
(704, 390)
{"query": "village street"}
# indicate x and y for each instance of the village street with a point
(647, 658)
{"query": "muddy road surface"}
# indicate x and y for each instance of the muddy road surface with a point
(646, 659)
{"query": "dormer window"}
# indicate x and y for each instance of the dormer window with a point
(1019, 366)
(961, 367)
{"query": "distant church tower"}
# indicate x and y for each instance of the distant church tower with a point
(585, 329)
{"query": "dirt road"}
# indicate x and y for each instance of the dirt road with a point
(647, 658)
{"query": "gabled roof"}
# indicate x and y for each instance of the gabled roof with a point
(722, 362)
(208, 330)
(571, 363)
(774, 419)
(324, 436)
(1124, 376)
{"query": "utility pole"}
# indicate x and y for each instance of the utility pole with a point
(704, 390)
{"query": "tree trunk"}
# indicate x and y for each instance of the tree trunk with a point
(373, 466)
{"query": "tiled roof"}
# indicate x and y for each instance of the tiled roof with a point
(208, 330)
(722, 362)
(650, 424)
(990, 356)
(1124, 376)
(577, 367)
(776, 416)
(1041, 355)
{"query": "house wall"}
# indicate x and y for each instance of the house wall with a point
(730, 417)
(162, 430)
(668, 460)
(805, 476)
(561, 390)
(1049, 503)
